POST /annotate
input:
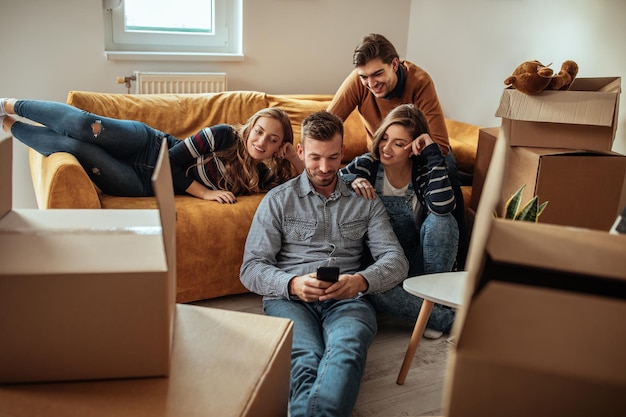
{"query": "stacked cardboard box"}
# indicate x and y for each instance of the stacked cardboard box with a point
(561, 150)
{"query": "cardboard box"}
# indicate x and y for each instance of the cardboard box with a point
(486, 142)
(224, 363)
(584, 117)
(540, 331)
(583, 189)
(86, 294)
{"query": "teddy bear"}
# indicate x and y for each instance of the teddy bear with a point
(564, 79)
(532, 77)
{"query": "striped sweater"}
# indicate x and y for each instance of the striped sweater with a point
(430, 178)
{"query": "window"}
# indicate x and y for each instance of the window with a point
(173, 29)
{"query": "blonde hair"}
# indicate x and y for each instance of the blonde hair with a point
(406, 115)
(241, 175)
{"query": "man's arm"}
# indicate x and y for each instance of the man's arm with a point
(348, 96)
(258, 272)
(424, 96)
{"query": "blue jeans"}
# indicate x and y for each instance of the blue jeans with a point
(439, 238)
(436, 252)
(118, 155)
(330, 343)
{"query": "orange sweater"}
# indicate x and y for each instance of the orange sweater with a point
(419, 90)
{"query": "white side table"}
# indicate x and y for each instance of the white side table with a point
(447, 289)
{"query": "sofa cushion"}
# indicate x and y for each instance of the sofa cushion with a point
(298, 108)
(464, 143)
(180, 115)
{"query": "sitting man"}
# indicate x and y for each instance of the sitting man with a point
(379, 83)
(310, 221)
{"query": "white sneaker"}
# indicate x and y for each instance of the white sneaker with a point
(432, 333)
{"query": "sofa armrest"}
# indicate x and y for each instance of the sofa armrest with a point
(61, 182)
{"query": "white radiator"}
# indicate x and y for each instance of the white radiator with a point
(179, 82)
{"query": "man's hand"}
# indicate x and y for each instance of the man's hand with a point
(308, 288)
(348, 286)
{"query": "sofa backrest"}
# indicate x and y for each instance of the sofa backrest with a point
(182, 115)
(298, 107)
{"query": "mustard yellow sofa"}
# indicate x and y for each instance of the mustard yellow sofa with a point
(210, 235)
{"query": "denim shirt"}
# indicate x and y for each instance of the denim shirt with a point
(295, 230)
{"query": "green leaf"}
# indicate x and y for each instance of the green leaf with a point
(541, 208)
(529, 212)
(512, 205)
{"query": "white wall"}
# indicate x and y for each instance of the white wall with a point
(291, 46)
(470, 47)
(305, 46)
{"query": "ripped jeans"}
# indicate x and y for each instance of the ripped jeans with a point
(118, 155)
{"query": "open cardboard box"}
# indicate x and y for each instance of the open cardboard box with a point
(541, 330)
(583, 188)
(86, 294)
(583, 117)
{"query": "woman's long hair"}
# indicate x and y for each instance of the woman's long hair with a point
(241, 175)
(406, 115)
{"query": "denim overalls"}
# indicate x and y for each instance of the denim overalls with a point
(397, 302)
(403, 221)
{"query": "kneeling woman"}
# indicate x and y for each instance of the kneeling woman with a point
(217, 163)
(408, 172)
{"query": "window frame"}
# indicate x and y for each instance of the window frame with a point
(225, 45)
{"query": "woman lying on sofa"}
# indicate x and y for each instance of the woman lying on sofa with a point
(217, 163)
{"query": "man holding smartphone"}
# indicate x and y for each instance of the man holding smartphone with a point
(315, 221)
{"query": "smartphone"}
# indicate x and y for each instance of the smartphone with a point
(328, 273)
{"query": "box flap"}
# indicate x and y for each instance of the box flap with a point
(602, 84)
(77, 241)
(489, 202)
(546, 255)
(539, 152)
(6, 176)
(164, 192)
(570, 107)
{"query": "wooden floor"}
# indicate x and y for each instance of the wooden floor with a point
(421, 394)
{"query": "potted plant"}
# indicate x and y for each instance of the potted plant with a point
(529, 212)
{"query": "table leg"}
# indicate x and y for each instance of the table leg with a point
(418, 331)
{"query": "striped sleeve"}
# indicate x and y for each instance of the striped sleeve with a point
(434, 184)
(363, 166)
(193, 150)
